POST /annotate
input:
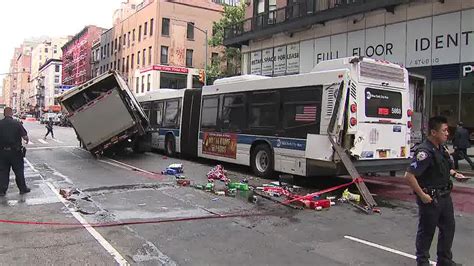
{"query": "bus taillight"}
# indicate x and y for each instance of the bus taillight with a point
(353, 108)
(353, 121)
(409, 112)
(409, 124)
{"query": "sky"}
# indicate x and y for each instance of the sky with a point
(21, 20)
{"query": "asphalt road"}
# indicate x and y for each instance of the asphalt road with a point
(111, 191)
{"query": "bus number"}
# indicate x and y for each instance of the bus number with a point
(397, 111)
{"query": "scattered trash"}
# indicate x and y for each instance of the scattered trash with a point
(183, 182)
(350, 196)
(209, 187)
(142, 204)
(180, 176)
(173, 169)
(220, 193)
(239, 186)
(245, 180)
(231, 192)
(215, 199)
(197, 186)
(68, 192)
(218, 173)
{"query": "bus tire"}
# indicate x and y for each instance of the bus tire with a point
(262, 161)
(170, 146)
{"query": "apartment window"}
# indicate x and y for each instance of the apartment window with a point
(151, 26)
(123, 64)
(144, 57)
(140, 33)
(128, 40)
(116, 44)
(131, 61)
(133, 35)
(115, 65)
(108, 49)
(56, 79)
(124, 39)
(164, 55)
(57, 68)
(138, 58)
(143, 84)
(118, 65)
(149, 55)
(46, 49)
(190, 31)
(165, 27)
(189, 57)
(126, 65)
(145, 28)
(112, 44)
(215, 58)
(120, 42)
(148, 84)
(137, 85)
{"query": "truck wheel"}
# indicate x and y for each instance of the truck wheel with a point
(262, 161)
(170, 146)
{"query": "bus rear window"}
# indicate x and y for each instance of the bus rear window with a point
(383, 104)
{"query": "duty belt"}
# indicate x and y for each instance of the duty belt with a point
(438, 191)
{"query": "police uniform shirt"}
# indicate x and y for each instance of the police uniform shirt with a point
(11, 132)
(423, 162)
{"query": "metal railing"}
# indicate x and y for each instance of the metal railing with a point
(285, 14)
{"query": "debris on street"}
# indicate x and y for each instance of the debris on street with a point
(218, 173)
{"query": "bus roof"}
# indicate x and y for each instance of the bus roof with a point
(161, 94)
(299, 80)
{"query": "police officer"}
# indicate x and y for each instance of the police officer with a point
(429, 176)
(11, 152)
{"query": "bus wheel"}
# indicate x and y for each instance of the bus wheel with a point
(261, 161)
(170, 146)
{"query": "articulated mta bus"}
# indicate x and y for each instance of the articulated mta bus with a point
(283, 124)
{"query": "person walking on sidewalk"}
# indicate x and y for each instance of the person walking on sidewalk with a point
(12, 152)
(461, 143)
(49, 127)
(429, 177)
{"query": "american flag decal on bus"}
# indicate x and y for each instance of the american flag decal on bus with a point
(305, 114)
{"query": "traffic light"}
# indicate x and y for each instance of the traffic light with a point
(202, 76)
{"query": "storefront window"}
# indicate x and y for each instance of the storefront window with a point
(446, 100)
(173, 81)
(467, 102)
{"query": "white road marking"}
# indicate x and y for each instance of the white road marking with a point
(401, 253)
(42, 141)
(30, 143)
(104, 243)
(51, 147)
(57, 140)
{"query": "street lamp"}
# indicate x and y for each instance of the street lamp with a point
(206, 40)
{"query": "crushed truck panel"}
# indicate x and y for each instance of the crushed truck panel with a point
(104, 112)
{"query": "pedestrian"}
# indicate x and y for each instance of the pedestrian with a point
(12, 152)
(461, 143)
(429, 176)
(49, 127)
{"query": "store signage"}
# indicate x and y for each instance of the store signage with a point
(293, 58)
(267, 62)
(467, 69)
(171, 69)
(256, 63)
(437, 40)
(279, 65)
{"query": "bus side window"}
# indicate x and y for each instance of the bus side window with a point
(172, 114)
(210, 107)
(233, 113)
(264, 109)
(159, 114)
(301, 111)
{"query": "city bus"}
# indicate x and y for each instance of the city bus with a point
(283, 124)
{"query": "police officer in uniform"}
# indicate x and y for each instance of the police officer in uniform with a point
(11, 152)
(429, 176)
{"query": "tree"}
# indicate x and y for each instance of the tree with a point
(230, 57)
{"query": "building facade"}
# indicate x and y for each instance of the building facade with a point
(77, 56)
(50, 82)
(95, 58)
(161, 45)
(42, 53)
(434, 39)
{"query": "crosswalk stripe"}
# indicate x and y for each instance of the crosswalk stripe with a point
(58, 141)
(31, 143)
(42, 141)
